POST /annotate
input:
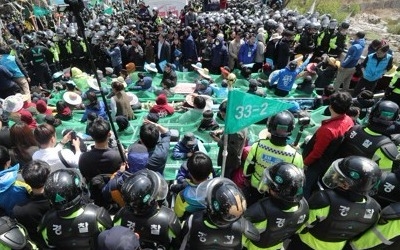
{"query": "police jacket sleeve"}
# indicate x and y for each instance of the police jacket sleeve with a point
(249, 231)
(104, 218)
(319, 208)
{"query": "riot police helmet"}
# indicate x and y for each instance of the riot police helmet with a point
(384, 113)
(355, 173)
(224, 201)
(64, 190)
(142, 190)
(283, 181)
(12, 236)
(281, 124)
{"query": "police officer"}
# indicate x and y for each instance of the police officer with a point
(343, 211)
(71, 224)
(157, 226)
(268, 152)
(383, 235)
(369, 141)
(221, 225)
(284, 212)
(13, 235)
(39, 57)
(338, 42)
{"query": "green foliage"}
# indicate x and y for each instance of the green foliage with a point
(393, 25)
(334, 7)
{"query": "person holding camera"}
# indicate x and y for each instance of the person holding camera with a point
(54, 153)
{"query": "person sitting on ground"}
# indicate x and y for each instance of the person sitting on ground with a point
(306, 86)
(253, 88)
(208, 122)
(162, 108)
(12, 191)
(326, 72)
(120, 102)
(166, 88)
(203, 87)
(284, 80)
(199, 106)
(144, 83)
(220, 92)
(94, 106)
(186, 147)
(200, 167)
(170, 74)
(156, 138)
(64, 113)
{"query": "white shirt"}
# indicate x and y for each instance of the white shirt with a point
(160, 44)
(50, 155)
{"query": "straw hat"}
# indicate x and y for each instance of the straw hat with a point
(151, 67)
(197, 66)
(13, 103)
(333, 62)
(72, 98)
(204, 73)
(93, 84)
(133, 99)
(121, 80)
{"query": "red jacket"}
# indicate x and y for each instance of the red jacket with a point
(330, 130)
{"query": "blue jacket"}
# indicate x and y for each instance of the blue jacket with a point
(286, 77)
(100, 111)
(219, 54)
(9, 62)
(180, 151)
(189, 49)
(354, 54)
(115, 56)
(374, 69)
(12, 192)
(144, 84)
(6, 81)
(247, 53)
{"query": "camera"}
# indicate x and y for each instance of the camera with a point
(73, 135)
(304, 121)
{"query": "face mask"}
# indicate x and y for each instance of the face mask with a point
(217, 43)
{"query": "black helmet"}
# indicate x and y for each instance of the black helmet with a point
(12, 237)
(64, 189)
(356, 173)
(224, 201)
(285, 180)
(143, 189)
(345, 25)
(389, 188)
(281, 124)
(384, 113)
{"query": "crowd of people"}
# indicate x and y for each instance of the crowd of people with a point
(337, 189)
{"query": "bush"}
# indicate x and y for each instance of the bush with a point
(334, 7)
(394, 28)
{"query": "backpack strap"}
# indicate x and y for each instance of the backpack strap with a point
(62, 159)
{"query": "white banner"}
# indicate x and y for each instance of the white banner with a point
(166, 6)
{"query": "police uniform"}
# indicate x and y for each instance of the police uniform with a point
(275, 222)
(39, 56)
(200, 234)
(385, 234)
(393, 91)
(158, 228)
(77, 231)
(267, 154)
(388, 189)
(336, 217)
(362, 141)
